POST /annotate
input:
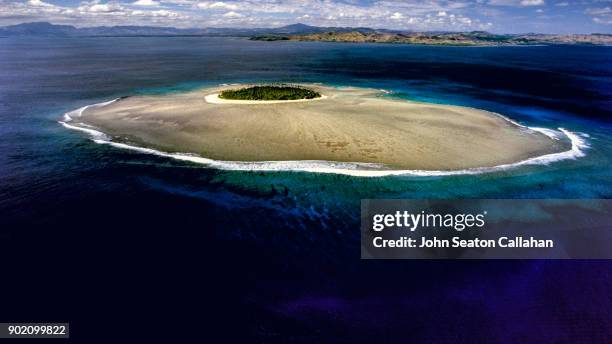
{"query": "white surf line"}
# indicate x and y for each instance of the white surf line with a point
(548, 132)
(355, 169)
(214, 99)
(79, 112)
(545, 131)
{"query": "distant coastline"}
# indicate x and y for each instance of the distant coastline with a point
(302, 32)
(476, 38)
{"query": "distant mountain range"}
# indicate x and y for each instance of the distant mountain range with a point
(302, 32)
(48, 29)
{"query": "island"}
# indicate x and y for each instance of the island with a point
(270, 92)
(474, 38)
(343, 124)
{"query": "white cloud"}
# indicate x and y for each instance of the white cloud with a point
(517, 3)
(164, 13)
(150, 3)
(179, 2)
(232, 14)
(601, 15)
(605, 21)
(224, 5)
(39, 3)
(396, 16)
(217, 5)
(97, 7)
(532, 2)
(419, 15)
(599, 11)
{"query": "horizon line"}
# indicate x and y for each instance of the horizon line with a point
(299, 23)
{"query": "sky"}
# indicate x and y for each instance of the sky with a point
(500, 16)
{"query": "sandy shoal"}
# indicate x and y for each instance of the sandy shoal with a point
(348, 124)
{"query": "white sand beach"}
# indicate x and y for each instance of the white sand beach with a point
(345, 125)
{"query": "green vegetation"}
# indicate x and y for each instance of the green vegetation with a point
(272, 92)
(269, 38)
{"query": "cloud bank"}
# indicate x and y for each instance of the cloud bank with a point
(420, 15)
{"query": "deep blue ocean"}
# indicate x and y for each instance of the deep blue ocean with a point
(133, 246)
